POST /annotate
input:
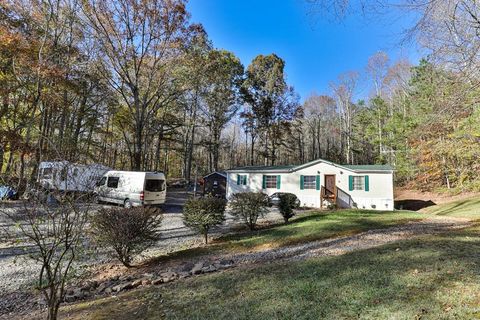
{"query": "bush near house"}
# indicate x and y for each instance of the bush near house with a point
(202, 214)
(127, 231)
(249, 206)
(286, 205)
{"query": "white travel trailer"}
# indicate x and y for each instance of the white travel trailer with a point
(70, 177)
(132, 188)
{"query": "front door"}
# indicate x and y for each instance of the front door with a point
(329, 184)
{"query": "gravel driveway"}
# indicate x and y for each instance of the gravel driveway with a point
(17, 270)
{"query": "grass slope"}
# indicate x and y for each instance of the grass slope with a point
(465, 208)
(319, 225)
(433, 277)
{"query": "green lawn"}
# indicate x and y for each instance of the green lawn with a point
(433, 277)
(319, 225)
(466, 208)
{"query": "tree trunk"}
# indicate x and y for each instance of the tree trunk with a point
(252, 149)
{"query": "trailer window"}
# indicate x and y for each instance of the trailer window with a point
(154, 185)
(63, 174)
(113, 182)
(47, 173)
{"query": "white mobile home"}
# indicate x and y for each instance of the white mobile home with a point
(319, 183)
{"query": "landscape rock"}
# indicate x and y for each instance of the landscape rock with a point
(157, 281)
(168, 276)
(197, 268)
(137, 283)
(183, 275)
(210, 268)
(186, 267)
(102, 286)
(146, 282)
(122, 287)
(125, 278)
(69, 298)
(108, 290)
(226, 262)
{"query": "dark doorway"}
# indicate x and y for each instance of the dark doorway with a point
(329, 184)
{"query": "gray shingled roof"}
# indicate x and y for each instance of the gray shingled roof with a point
(376, 167)
(290, 168)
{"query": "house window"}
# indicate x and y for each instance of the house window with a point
(309, 182)
(242, 179)
(271, 182)
(112, 182)
(358, 183)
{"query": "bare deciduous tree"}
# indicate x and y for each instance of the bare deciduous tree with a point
(140, 41)
(54, 223)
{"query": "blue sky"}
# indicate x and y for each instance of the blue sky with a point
(316, 49)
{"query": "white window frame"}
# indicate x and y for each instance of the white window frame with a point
(269, 179)
(358, 183)
(312, 185)
(242, 180)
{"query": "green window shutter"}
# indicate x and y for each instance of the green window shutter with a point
(238, 179)
(318, 182)
(367, 184)
(264, 182)
(245, 179)
(301, 182)
(350, 183)
(278, 181)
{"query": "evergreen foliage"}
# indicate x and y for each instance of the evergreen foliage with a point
(248, 207)
(202, 214)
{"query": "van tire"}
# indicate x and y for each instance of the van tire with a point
(127, 204)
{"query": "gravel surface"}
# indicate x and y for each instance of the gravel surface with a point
(17, 271)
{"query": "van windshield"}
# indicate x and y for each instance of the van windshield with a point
(154, 185)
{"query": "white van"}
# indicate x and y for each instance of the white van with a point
(132, 188)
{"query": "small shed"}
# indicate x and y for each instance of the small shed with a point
(215, 184)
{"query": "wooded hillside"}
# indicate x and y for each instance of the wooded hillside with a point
(137, 85)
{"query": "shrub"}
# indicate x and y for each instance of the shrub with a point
(202, 214)
(286, 205)
(127, 231)
(249, 206)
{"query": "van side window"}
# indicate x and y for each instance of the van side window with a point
(102, 181)
(113, 182)
(154, 185)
